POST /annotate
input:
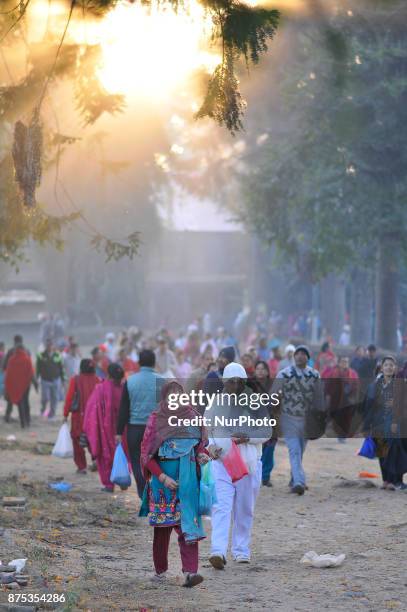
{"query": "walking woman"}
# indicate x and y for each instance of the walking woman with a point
(170, 458)
(326, 358)
(381, 425)
(18, 378)
(263, 382)
(79, 391)
(100, 422)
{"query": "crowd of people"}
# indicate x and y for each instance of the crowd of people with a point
(119, 394)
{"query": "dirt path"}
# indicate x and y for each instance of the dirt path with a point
(92, 546)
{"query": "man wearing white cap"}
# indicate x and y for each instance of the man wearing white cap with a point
(235, 499)
(288, 360)
(111, 348)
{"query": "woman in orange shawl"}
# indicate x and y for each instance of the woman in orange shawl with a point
(17, 383)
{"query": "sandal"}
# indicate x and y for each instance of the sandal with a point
(217, 561)
(192, 580)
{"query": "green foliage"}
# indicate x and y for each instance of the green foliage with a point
(96, 7)
(246, 30)
(223, 101)
(115, 250)
(330, 181)
(19, 225)
(243, 32)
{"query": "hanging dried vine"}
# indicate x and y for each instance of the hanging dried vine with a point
(243, 32)
(27, 156)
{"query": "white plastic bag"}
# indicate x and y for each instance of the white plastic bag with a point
(63, 446)
(249, 456)
(311, 558)
(19, 564)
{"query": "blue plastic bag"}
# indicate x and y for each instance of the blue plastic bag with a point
(62, 487)
(120, 470)
(368, 449)
(207, 492)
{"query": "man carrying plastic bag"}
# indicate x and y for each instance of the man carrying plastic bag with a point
(236, 494)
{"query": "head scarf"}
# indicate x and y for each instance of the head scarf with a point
(158, 429)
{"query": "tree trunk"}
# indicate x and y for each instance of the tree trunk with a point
(333, 305)
(387, 293)
(258, 276)
(54, 268)
(361, 307)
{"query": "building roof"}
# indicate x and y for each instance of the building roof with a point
(20, 296)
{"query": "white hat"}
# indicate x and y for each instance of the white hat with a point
(290, 348)
(234, 370)
(110, 336)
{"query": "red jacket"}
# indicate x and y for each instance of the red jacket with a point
(83, 385)
(19, 374)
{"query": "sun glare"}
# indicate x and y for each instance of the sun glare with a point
(146, 51)
(151, 51)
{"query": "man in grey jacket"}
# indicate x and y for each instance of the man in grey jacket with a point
(301, 393)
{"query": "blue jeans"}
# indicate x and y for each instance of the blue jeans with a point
(50, 394)
(293, 432)
(267, 460)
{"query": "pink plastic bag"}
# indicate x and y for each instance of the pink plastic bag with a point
(234, 464)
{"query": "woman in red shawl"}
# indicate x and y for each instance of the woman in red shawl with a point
(342, 393)
(79, 390)
(100, 422)
(326, 358)
(170, 457)
(18, 379)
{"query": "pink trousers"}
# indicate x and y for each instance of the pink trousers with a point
(105, 468)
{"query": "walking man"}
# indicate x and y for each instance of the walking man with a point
(300, 393)
(236, 499)
(139, 398)
(50, 371)
(213, 382)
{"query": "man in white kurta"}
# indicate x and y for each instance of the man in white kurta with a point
(235, 500)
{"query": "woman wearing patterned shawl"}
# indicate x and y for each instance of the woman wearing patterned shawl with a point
(170, 459)
(381, 424)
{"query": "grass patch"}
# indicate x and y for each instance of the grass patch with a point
(72, 599)
(11, 488)
(41, 556)
(89, 569)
